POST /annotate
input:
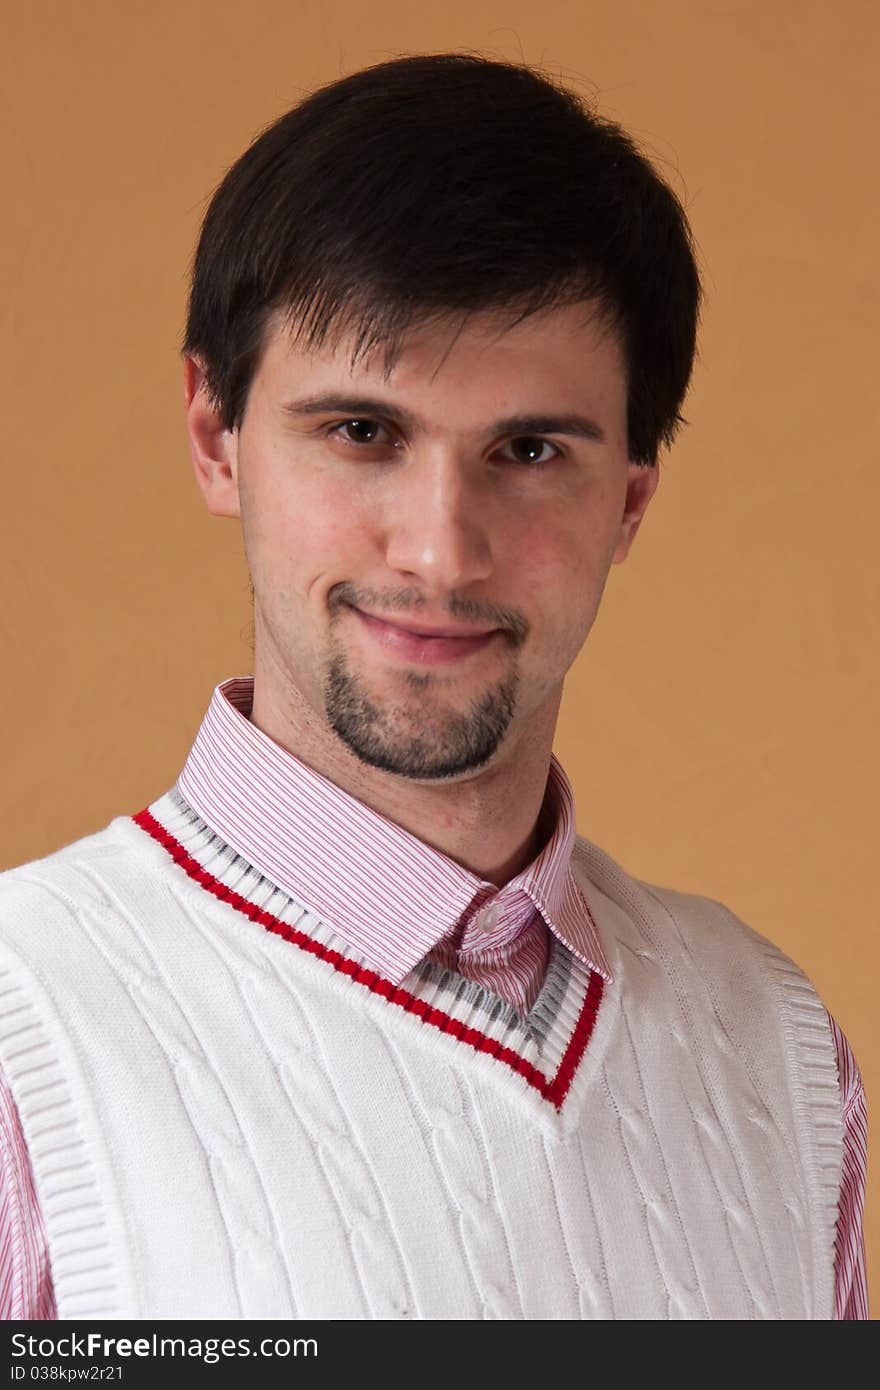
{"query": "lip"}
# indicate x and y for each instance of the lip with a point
(427, 649)
(430, 631)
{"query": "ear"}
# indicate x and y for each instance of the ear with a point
(640, 488)
(214, 449)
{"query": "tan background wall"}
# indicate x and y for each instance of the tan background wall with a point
(718, 725)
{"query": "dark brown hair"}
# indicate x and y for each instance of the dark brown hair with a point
(437, 184)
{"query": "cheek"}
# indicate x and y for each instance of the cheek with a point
(559, 559)
(319, 541)
(299, 522)
(559, 574)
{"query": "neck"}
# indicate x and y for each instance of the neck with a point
(489, 822)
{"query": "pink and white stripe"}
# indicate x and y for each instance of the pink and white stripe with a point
(850, 1283)
(395, 900)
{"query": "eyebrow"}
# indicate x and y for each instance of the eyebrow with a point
(578, 425)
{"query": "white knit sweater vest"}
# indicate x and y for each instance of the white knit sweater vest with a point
(229, 1116)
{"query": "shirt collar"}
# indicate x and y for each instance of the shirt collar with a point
(385, 892)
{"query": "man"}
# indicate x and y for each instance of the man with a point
(350, 1023)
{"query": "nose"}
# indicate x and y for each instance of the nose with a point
(438, 523)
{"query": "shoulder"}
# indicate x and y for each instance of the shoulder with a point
(699, 929)
(53, 886)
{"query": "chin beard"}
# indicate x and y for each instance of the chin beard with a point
(389, 737)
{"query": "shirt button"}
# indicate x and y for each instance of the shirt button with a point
(489, 920)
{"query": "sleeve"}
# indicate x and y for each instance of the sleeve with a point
(850, 1278)
(26, 1290)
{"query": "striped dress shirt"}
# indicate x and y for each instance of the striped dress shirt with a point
(397, 901)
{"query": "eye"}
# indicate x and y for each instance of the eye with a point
(533, 444)
(370, 426)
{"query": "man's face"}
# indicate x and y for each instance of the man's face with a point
(413, 506)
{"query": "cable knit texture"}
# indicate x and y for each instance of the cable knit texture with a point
(231, 1116)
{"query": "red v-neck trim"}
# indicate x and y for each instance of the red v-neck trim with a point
(553, 1089)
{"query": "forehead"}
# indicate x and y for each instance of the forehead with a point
(564, 344)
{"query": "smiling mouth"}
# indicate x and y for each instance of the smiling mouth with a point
(453, 632)
(424, 648)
